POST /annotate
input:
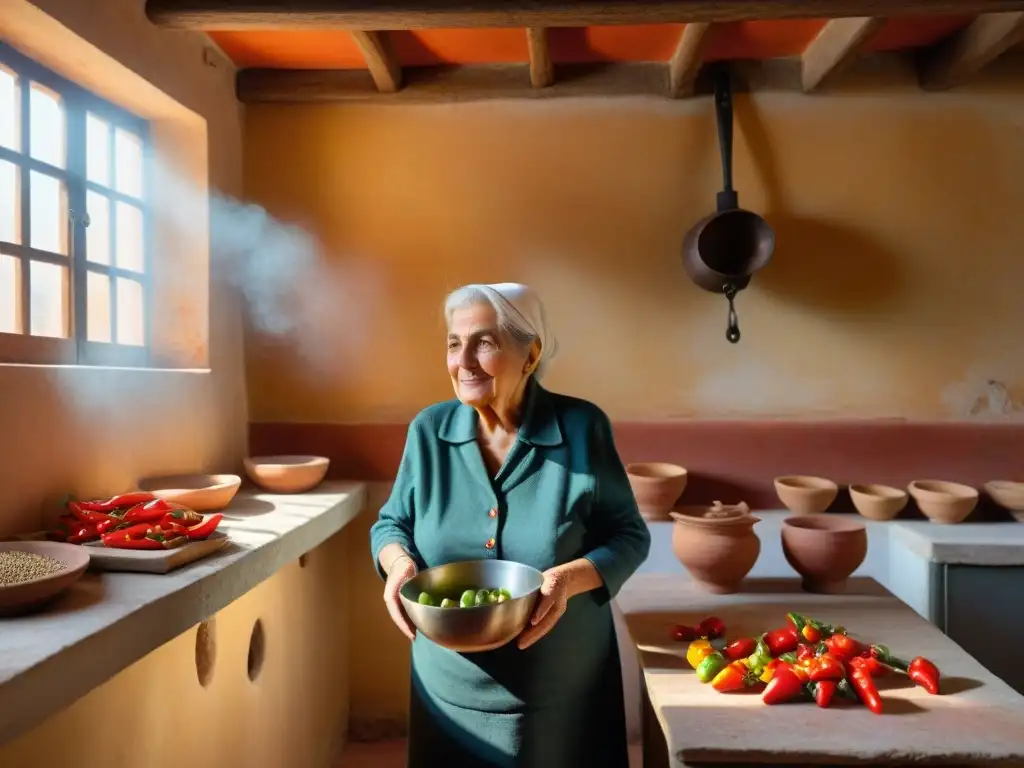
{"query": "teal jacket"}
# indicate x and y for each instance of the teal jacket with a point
(561, 494)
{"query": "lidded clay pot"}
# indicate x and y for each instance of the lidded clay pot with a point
(824, 550)
(716, 544)
(657, 487)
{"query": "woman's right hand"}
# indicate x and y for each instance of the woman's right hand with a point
(402, 569)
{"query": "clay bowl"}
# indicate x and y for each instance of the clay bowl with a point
(805, 495)
(1008, 495)
(716, 544)
(657, 486)
(878, 502)
(23, 596)
(200, 493)
(943, 502)
(824, 550)
(287, 474)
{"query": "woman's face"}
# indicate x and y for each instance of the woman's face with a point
(486, 367)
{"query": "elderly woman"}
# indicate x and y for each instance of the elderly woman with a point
(511, 471)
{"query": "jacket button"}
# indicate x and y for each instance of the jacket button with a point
(493, 513)
(489, 544)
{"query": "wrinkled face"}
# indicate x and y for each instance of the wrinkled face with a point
(486, 367)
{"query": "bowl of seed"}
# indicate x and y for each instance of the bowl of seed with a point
(33, 572)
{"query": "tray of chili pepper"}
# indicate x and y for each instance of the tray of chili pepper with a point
(138, 532)
(805, 660)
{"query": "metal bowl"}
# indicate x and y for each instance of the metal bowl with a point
(482, 628)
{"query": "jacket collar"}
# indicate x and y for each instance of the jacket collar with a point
(539, 427)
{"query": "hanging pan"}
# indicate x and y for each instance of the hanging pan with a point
(723, 250)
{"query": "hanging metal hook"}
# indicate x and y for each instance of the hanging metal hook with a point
(732, 332)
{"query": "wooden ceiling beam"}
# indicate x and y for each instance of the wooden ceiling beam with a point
(380, 60)
(837, 44)
(687, 59)
(970, 50)
(542, 68)
(417, 14)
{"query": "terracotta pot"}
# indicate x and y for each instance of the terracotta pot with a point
(878, 502)
(657, 487)
(824, 550)
(943, 502)
(287, 474)
(716, 544)
(805, 495)
(1008, 495)
(200, 493)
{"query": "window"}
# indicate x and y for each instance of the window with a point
(74, 244)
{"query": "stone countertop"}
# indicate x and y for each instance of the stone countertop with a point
(107, 621)
(962, 543)
(977, 720)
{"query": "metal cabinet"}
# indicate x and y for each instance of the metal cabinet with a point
(978, 607)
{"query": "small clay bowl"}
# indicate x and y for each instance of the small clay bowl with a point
(1008, 495)
(200, 493)
(944, 502)
(657, 487)
(287, 474)
(824, 550)
(804, 494)
(878, 502)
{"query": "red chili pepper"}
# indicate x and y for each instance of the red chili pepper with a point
(83, 534)
(83, 515)
(785, 685)
(123, 500)
(824, 691)
(149, 512)
(805, 652)
(843, 647)
(865, 689)
(205, 528)
(712, 627)
(826, 668)
(740, 648)
(188, 518)
(683, 633)
(870, 665)
(923, 672)
(115, 541)
(811, 633)
(781, 641)
(133, 531)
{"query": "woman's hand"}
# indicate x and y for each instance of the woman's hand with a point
(402, 569)
(551, 604)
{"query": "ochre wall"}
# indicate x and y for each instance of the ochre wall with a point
(893, 291)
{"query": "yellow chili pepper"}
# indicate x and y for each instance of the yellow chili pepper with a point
(697, 651)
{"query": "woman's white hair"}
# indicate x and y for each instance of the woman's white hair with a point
(511, 322)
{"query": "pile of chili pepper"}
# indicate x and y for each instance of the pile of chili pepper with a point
(132, 521)
(804, 660)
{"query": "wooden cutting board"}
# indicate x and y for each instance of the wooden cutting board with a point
(103, 558)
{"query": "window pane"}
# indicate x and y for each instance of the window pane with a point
(98, 303)
(10, 294)
(97, 150)
(129, 237)
(48, 300)
(128, 163)
(48, 214)
(10, 194)
(10, 109)
(97, 234)
(46, 126)
(130, 316)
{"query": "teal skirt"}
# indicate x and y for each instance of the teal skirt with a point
(585, 731)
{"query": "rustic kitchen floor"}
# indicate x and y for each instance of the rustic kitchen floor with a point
(391, 754)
